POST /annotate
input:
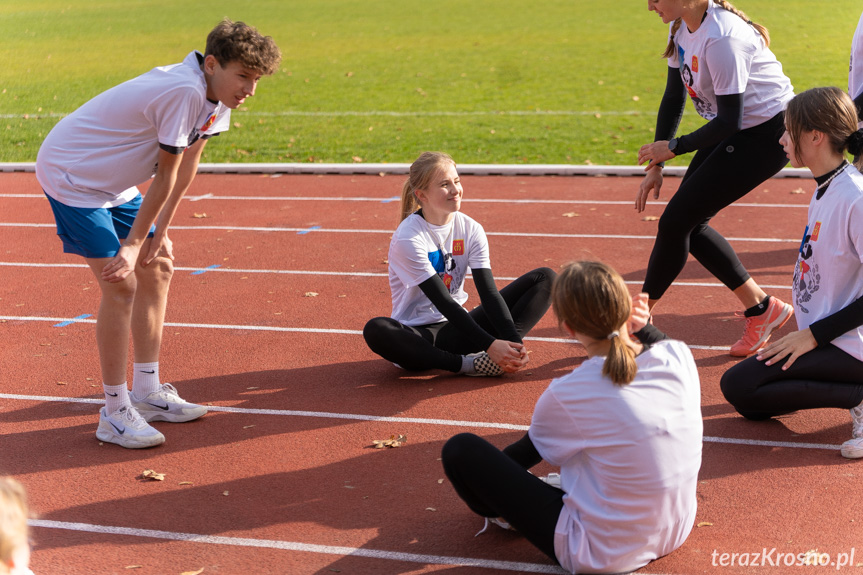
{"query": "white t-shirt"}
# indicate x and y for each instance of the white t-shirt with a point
(420, 250)
(94, 157)
(829, 271)
(629, 458)
(855, 73)
(727, 56)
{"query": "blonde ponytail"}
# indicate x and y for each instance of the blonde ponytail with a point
(669, 50)
(620, 364)
(592, 299)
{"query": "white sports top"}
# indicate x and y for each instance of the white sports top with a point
(95, 156)
(420, 250)
(829, 271)
(629, 457)
(727, 56)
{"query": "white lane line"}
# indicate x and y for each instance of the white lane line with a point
(390, 232)
(417, 420)
(340, 274)
(211, 196)
(82, 319)
(302, 547)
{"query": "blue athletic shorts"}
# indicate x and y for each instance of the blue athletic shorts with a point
(95, 232)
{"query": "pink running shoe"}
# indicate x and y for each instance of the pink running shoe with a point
(757, 330)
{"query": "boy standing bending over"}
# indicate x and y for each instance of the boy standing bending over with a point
(153, 126)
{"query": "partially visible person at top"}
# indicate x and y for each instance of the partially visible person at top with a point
(855, 80)
(624, 427)
(14, 533)
(821, 364)
(722, 60)
(429, 255)
(153, 126)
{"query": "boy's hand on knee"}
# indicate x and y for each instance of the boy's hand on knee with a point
(163, 248)
(120, 265)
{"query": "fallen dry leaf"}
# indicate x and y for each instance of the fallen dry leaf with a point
(150, 474)
(393, 441)
(310, 294)
(571, 215)
(798, 191)
(226, 493)
(199, 216)
(649, 219)
(133, 566)
(185, 483)
(705, 524)
(201, 570)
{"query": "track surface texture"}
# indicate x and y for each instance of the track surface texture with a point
(281, 477)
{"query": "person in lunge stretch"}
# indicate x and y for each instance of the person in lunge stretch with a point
(722, 60)
(155, 125)
(624, 427)
(821, 364)
(429, 255)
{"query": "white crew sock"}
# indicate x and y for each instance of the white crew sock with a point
(145, 379)
(116, 396)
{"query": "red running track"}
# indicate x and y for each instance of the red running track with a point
(280, 476)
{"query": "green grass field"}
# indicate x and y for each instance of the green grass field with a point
(489, 81)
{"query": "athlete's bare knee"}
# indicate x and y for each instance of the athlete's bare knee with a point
(160, 270)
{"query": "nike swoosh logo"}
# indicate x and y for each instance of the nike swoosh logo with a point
(166, 407)
(144, 371)
(120, 431)
(112, 394)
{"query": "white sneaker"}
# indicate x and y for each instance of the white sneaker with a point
(552, 479)
(853, 448)
(857, 421)
(166, 405)
(482, 365)
(126, 427)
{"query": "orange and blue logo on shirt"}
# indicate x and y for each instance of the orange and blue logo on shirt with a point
(209, 123)
(815, 231)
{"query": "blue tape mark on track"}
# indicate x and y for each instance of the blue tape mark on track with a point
(392, 199)
(203, 271)
(73, 320)
(311, 229)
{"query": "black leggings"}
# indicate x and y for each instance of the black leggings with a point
(494, 485)
(441, 345)
(823, 377)
(717, 177)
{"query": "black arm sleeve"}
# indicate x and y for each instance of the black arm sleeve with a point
(671, 107)
(523, 452)
(439, 295)
(829, 328)
(650, 334)
(494, 306)
(728, 121)
(858, 102)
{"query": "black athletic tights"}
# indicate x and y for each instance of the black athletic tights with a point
(823, 377)
(496, 483)
(441, 345)
(717, 177)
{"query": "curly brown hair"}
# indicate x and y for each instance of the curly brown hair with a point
(238, 42)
